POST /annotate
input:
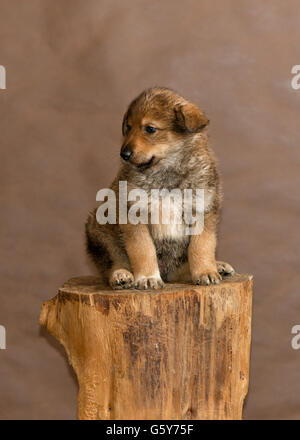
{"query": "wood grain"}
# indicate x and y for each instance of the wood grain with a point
(178, 353)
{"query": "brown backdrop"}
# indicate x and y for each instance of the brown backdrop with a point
(72, 67)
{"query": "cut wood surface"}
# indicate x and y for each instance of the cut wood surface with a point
(181, 352)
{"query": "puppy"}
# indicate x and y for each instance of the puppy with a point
(164, 146)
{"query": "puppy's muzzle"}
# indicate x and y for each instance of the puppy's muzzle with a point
(126, 152)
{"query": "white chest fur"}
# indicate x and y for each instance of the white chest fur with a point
(173, 225)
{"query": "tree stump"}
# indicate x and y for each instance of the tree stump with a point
(178, 353)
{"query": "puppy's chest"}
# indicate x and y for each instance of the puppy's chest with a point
(169, 232)
(166, 221)
(169, 219)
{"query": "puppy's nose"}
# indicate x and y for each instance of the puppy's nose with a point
(126, 153)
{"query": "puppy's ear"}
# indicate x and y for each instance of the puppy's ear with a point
(189, 117)
(124, 123)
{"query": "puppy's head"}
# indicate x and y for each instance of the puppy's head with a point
(156, 124)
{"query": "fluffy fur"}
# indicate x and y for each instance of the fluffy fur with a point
(174, 154)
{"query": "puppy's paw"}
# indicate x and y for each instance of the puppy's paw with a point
(207, 278)
(144, 283)
(121, 279)
(225, 268)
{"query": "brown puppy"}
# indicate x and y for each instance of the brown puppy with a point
(165, 146)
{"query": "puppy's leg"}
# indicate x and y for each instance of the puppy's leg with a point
(120, 276)
(106, 250)
(183, 273)
(142, 256)
(201, 254)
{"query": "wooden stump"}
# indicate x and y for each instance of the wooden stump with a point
(178, 353)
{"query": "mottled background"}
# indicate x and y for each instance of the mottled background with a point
(72, 67)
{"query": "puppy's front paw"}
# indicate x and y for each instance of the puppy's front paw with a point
(121, 279)
(207, 278)
(225, 268)
(144, 283)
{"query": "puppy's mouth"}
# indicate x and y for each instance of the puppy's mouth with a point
(145, 165)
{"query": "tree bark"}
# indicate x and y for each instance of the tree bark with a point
(178, 353)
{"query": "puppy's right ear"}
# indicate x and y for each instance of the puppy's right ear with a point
(124, 123)
(189, 117)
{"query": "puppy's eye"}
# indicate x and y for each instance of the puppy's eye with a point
(128, 128)
(149, 129)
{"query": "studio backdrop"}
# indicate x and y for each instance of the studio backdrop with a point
(71, 68)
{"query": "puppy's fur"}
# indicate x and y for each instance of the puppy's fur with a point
(174, 154)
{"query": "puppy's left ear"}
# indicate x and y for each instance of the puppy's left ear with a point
(189, 117)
